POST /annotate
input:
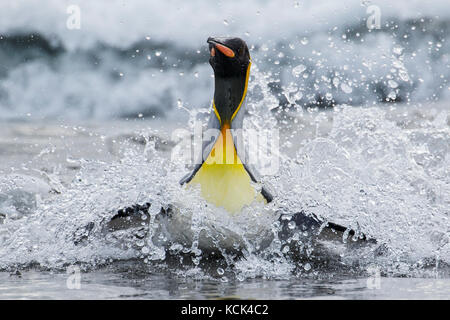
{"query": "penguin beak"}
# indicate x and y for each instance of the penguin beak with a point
(216, 45)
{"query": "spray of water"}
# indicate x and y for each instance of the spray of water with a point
(366, 168)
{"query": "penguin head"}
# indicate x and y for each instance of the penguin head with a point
(229, 57)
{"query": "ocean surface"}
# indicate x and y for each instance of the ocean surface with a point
(90, 121)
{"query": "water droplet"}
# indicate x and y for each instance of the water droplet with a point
(225, 22)
(140, 243)
(196, 74)
(392, 84)
(298, 70)
(391, 96)
(247, 33)
(346, 88)
(397, 64)
(307, 267)
(403, 75)
(291, 225)
(220, 271)
(328, 96)
(298, 95)
(304, 41)
(140, 115)
(121, 74)
(336, 82)
(145, 250)
(147, 38)
(397, 50)
(149, 57)
(158, 53)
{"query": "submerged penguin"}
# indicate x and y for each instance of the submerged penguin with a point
(225, 178)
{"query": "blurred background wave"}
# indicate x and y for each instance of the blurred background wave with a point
(313, 53)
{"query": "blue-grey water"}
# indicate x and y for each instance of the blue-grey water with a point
(112, 284)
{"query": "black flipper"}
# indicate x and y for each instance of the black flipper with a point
(129, 217)
(207, 146)
(134, 216)
(266, 194)
(315, 228)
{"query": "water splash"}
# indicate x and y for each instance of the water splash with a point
(380, 172)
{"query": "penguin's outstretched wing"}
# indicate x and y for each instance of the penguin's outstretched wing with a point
(243, 153)
(213, 130)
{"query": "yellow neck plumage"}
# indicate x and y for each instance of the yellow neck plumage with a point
(223, 179)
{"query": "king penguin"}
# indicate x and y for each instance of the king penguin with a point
(225, 177)
(223, 172)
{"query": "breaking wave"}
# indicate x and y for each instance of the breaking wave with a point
(313, 53)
